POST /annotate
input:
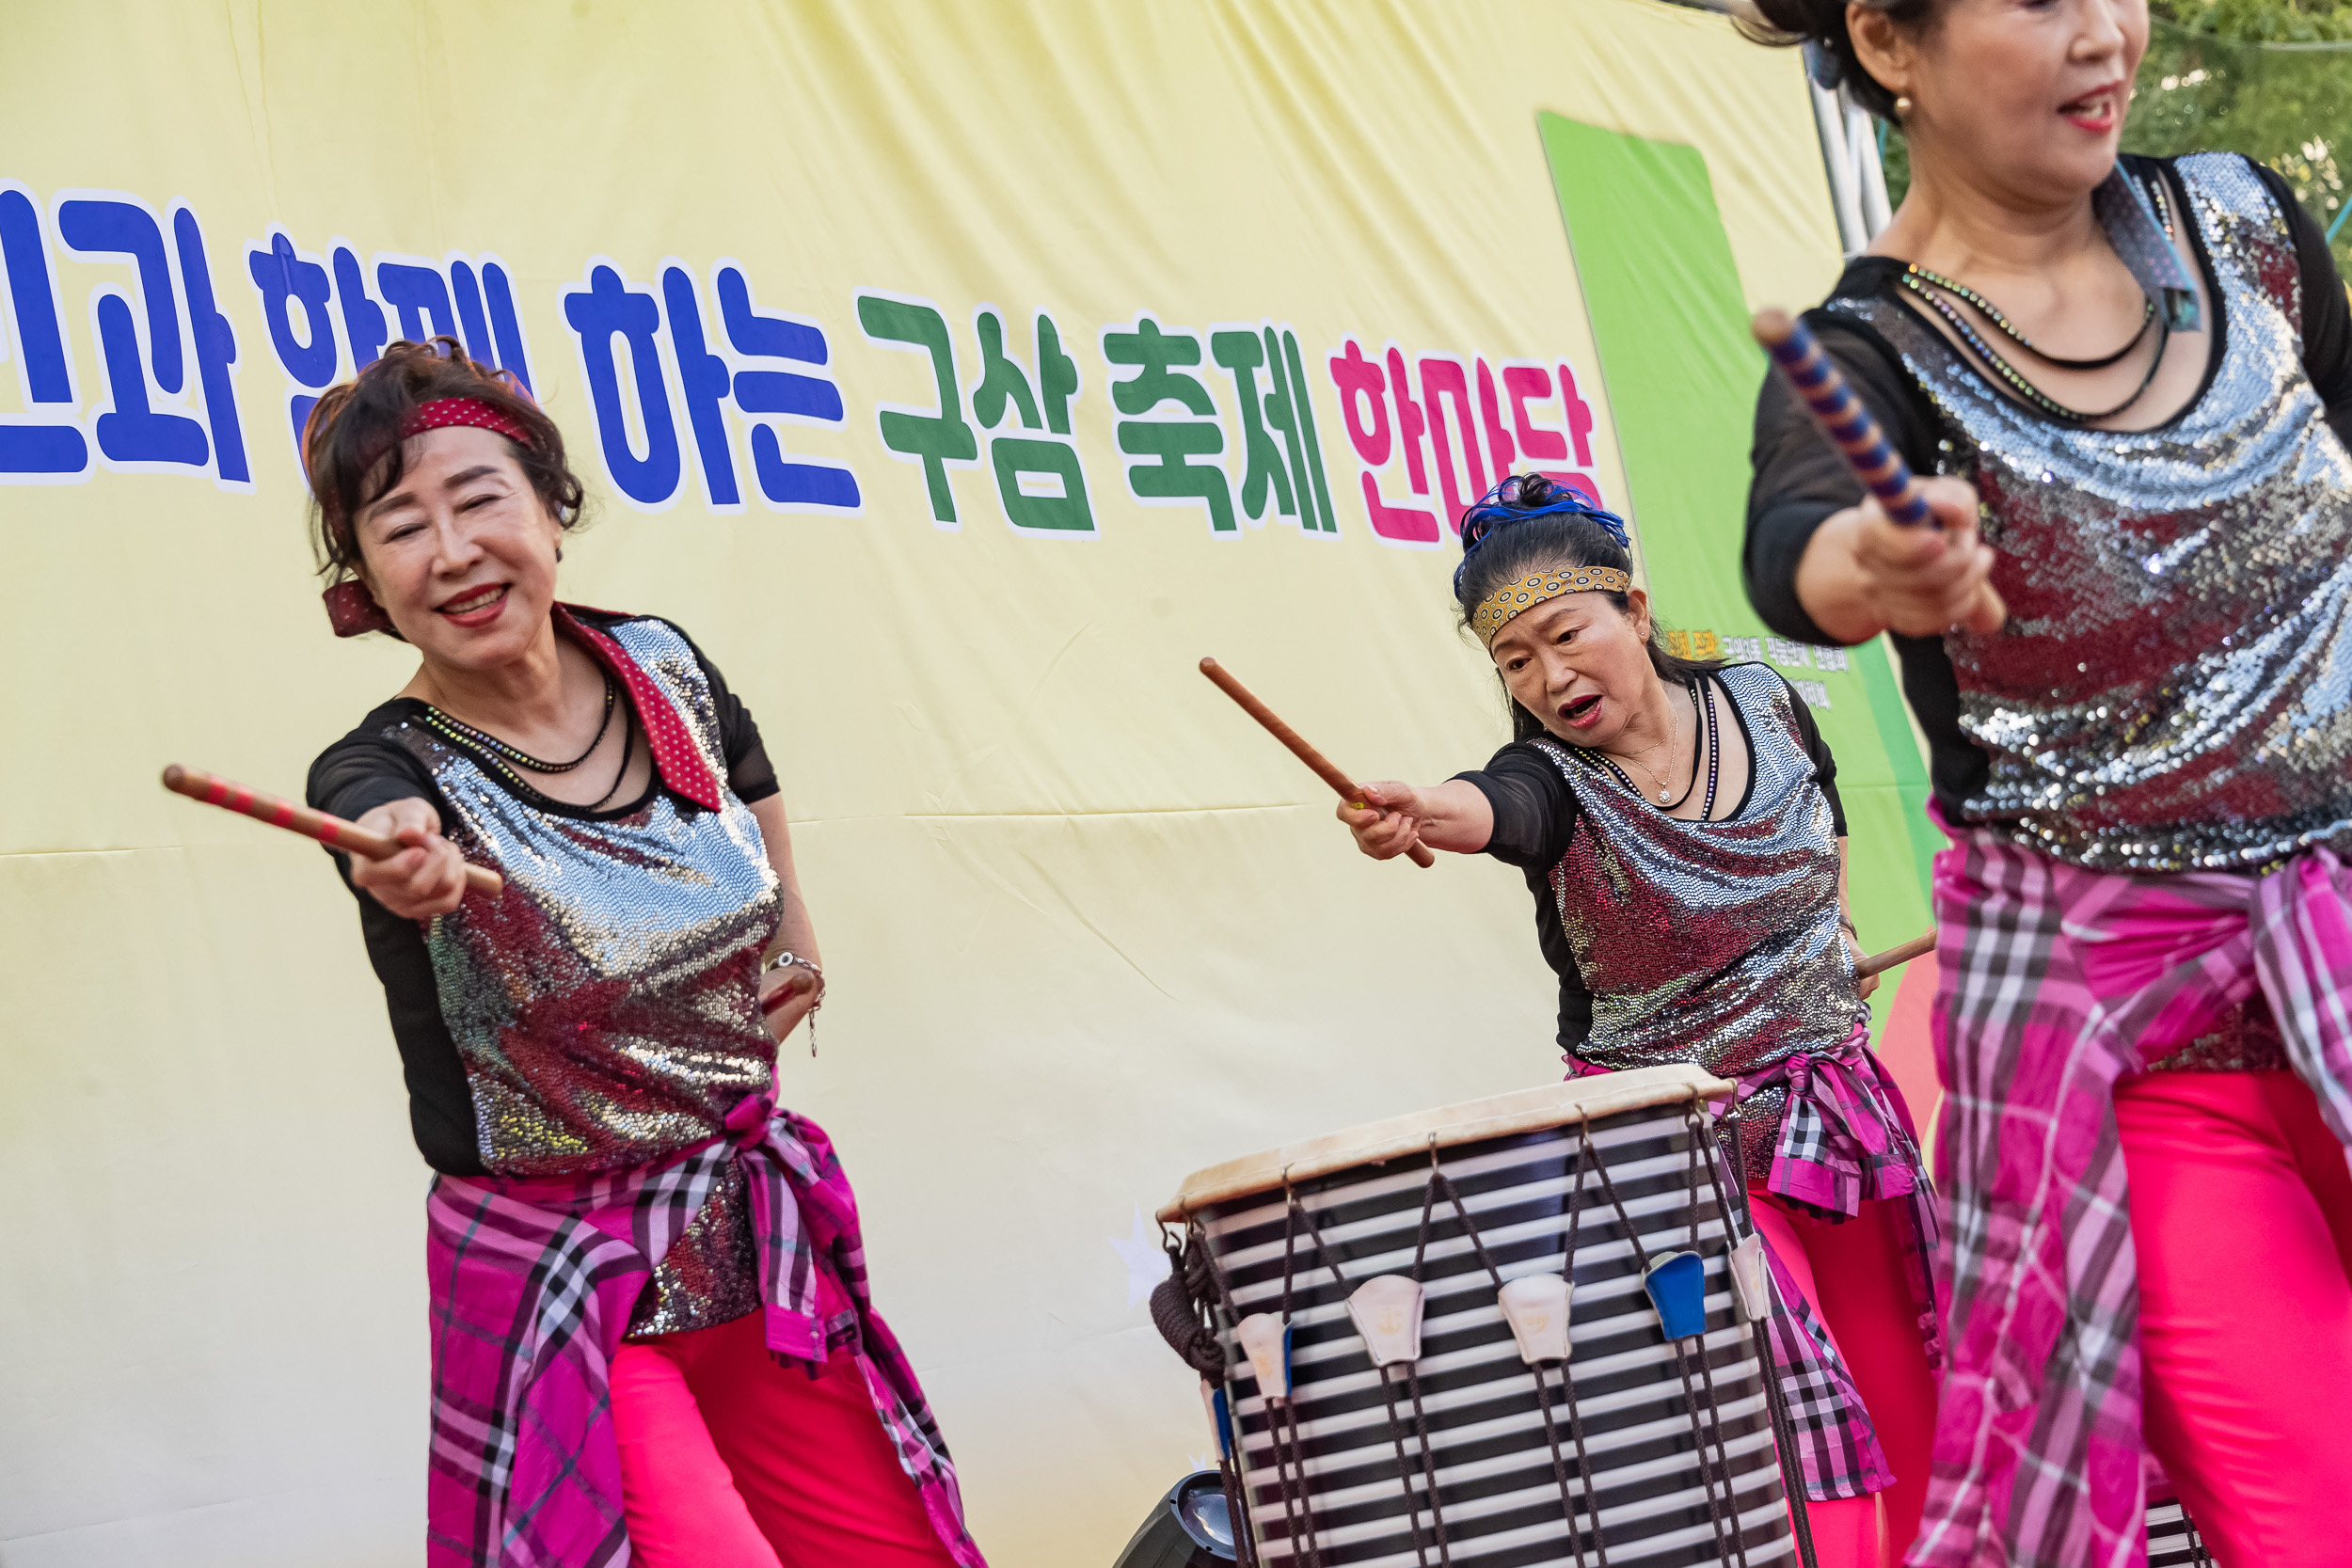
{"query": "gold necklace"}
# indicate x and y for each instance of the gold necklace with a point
(1665, 794)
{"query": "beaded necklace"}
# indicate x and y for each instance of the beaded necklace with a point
(1932, 288)
(1915, 276)
(497, 754)
(483, 740)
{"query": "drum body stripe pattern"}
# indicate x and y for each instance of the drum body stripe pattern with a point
(1497, 1485)
(2173, 1541)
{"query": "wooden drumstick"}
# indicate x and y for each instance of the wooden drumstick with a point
(1901, 953)
(214, 790)
(1339, 781)
(1847, 422)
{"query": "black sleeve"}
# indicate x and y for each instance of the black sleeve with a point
(749, 774)
(1800, 479)
(1534, 809)
(1824, 764)
(363, 770)
(355, 774)
(2326, 312)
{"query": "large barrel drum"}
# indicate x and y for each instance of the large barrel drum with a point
(1515, 1331)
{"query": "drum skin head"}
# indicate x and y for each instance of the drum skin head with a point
(1501, 1116)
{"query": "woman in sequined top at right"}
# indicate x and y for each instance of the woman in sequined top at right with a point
(2133, 378)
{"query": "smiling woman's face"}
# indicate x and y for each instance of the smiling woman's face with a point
(1580, 664)
(2021, 98)
(461, 552)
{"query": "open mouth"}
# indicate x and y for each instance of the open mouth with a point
(476, 606)
(2098, 111)
(1581, 711)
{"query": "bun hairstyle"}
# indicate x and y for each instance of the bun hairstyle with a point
(1820, 27)
(1527, 525)
(351, 442)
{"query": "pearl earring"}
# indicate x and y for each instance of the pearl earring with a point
(1902, 106)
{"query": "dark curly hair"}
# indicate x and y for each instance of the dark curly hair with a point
(1526, 526)
(1820, 25)
(351, 442)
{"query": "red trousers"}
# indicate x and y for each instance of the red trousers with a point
(731, 1461)
(2242, 1229)
(1853, 1274)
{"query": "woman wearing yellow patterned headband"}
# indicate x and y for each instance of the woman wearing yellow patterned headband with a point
(1678, 824)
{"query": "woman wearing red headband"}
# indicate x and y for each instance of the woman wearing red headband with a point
(652, 1339)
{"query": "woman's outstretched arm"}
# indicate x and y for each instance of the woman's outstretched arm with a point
(1451, 816)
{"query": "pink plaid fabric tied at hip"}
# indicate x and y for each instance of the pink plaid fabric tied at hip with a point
(533, 1281)
(2056, 981)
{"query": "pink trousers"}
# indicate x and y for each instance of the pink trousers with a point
(2242, 1229)
(1853, 1275)
(731, 1461)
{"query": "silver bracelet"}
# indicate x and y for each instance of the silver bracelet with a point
(785, 959)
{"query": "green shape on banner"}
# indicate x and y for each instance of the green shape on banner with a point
(1680, 373)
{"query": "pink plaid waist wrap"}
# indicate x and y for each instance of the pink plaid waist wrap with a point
(1844, 1138)
(533, 1280)
(1845, 1133)
(2056, 981)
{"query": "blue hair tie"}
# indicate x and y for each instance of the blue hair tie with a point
(1502, 506)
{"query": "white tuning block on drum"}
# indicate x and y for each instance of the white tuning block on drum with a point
(1748, 1280)
(1266, 1340)
(1537, 1307)
(1386, 1309)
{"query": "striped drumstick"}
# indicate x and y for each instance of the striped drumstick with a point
(1842, 417)
(1847, 422)
(1339, 783)
(214, 790)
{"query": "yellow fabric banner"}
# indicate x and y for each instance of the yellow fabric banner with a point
(957, 375)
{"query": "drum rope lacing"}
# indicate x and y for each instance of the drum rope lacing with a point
(1698, 1135)
(1289, 1406)
(1294, 1504)
(1388, 1395)
(1587, 1154)
(1186, 1317)
(1766, 1365)
(1543, 1389)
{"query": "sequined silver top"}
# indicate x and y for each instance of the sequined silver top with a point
(1711, 942)
(2173, 690)
(606, 1007)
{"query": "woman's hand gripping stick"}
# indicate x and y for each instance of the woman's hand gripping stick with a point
(1344, 786)
(1798, 356)
(213, 790)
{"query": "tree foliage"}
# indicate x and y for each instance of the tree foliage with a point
(2242, 76)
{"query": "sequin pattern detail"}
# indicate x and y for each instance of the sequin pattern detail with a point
(2173, 690)
(606, 1005)
(2244, 1040)
(1711, 942)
